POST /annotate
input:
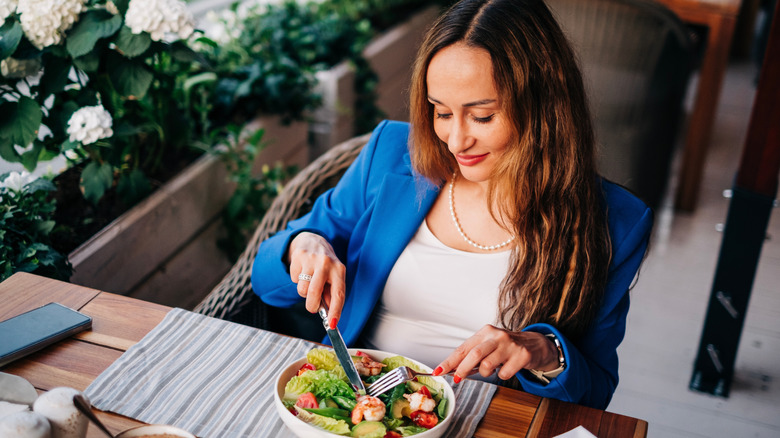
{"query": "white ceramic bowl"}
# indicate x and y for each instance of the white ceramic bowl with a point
(304, 430)
(153, 430)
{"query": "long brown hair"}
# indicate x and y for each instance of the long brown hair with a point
(549, 190)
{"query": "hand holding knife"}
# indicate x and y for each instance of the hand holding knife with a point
(340, 348)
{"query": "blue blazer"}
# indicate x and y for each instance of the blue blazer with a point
(375, 210)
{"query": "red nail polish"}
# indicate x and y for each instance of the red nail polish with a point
(438, 371)
(333, 323)
(456, 378)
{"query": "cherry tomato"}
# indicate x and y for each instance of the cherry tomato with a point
(306, 367)
(425, 391)
(307, 400)
(392, 434)
(424, 419)
(360, 353)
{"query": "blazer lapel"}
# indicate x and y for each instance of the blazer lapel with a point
(401, 205)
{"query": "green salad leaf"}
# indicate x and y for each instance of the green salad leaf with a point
(323, 383)
(410, 430)
(441, 408)
(325, 359)
(339, 427)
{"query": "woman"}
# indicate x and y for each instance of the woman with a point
(482, 236)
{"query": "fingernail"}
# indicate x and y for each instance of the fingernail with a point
(333, 323)
(456, 378)
(438, 371)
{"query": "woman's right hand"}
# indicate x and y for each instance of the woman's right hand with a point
(312, 254)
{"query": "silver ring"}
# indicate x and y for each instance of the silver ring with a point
(304, 277)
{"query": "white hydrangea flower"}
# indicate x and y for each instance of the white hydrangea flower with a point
(222, 27)
(160, 18)
(16, 181)
(7, 7)
(44, 22)
(90, 124)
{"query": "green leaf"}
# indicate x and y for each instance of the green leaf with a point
(7, 149)
(89, 62)
(96, 179)
(68, 145)
(41, 184)
(256, 137)
(130, 78)
(30, 158)
(10, 35)
(26, 50)
(55, 75)
(28, 252)
(45, 227)
(21, 121)
(48, 154)
(193, 81)
(131, 44)
(92, 26)
(122, 6)
(207, 41)
(134, 186)
(181, 52)
(122, 128)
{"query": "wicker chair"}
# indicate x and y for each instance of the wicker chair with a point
(233, 299)
(636, 58)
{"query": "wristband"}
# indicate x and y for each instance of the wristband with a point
(545, 376)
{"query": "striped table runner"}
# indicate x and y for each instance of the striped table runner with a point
(215, 378)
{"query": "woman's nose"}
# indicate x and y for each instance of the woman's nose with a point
(458, 139)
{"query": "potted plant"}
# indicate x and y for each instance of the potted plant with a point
(200, 89)
(25, 223)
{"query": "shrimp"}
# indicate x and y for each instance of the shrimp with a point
(420, 402)
(369, 408)
(368, 367)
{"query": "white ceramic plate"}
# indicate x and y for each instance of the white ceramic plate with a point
(305, 430)
(155, 429)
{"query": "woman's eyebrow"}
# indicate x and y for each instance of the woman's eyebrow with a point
(475, 103)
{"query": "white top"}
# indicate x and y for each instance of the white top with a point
(435, 298)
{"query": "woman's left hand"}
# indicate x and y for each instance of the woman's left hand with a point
(494, 349)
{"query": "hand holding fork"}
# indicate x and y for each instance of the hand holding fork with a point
(397, 376)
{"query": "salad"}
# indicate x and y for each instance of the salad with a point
(320, 395)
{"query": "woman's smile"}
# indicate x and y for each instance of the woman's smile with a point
(470, 160)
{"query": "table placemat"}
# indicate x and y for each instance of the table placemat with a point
(215, 378)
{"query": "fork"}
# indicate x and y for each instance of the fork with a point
(394, 378)
(400, 375)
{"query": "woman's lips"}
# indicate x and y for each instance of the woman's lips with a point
(470, 160)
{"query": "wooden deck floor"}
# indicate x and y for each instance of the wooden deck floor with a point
(670, 299)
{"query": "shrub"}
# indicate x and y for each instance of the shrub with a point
(25, 223)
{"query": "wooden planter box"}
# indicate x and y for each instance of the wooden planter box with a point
(391, 56)
(164, 249)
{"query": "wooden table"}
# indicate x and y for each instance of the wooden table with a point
(720, 17)
(119, 322)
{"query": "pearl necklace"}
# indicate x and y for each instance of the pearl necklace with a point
(460, 229)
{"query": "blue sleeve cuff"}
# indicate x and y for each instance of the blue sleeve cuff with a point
(557, 388)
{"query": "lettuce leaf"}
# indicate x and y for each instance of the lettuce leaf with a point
(297, 386)
(332, 425)
(325, 359)
(411, 430)
(323, 383)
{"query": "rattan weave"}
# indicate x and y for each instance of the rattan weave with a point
(234, 292)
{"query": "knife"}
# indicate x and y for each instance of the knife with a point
(341, 353)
